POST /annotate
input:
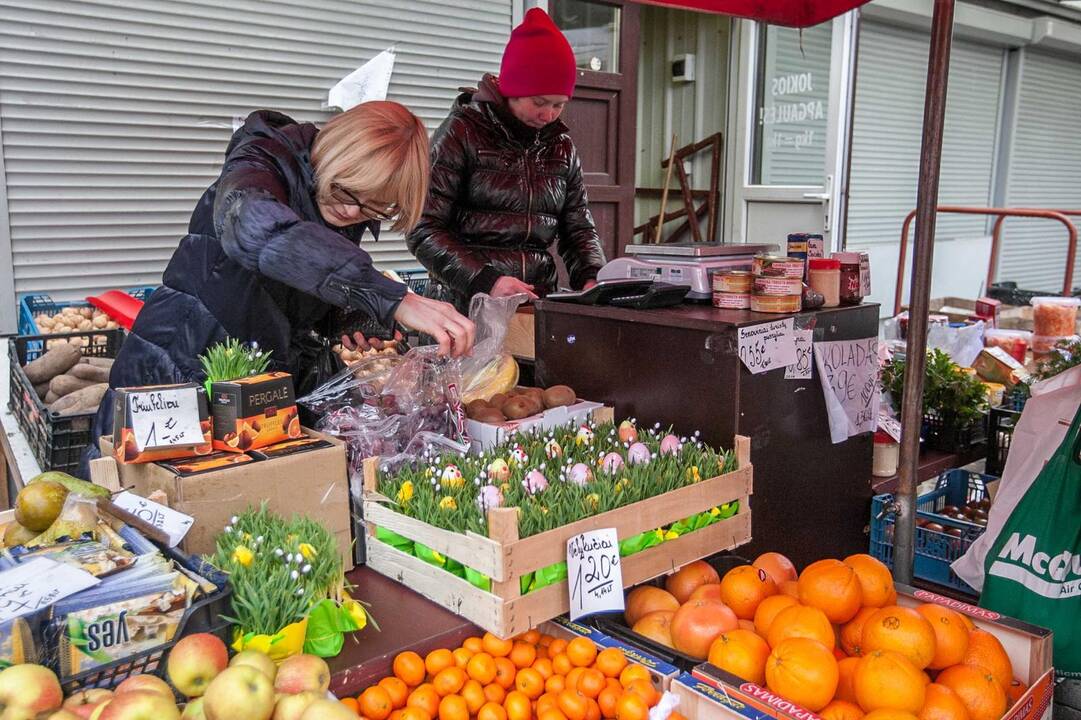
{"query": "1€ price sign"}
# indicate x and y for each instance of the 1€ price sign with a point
(594, 573)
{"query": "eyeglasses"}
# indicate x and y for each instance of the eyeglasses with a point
(385, 215)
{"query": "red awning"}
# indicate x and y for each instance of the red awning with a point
(794, 13)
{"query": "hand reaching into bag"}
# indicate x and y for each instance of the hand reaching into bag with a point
(453, 332)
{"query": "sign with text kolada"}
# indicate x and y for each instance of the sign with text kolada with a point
(37, 584)
(594, 573)
(165, 418)
(768, 345)
(849, 373)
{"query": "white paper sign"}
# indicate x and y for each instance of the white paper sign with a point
(849, 373)
(368, 82)
(165, 418)
(801, 369)
(889, 425)
(767, 346)
(172, 523)
(594, 573)
(27, 588)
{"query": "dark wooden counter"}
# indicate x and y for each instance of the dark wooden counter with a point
(932, 464)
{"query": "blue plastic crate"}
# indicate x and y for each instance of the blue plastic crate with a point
(33, 305)
(935, 550)
(415, 280)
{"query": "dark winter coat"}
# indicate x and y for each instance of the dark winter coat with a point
(501, 195)
(258, 264)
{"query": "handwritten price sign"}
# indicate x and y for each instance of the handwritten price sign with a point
(174, 524)
(767, 346)
(594, 573)
(39, 583)
(801, 369)
(165, 418)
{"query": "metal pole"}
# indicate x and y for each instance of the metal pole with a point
(934, 113)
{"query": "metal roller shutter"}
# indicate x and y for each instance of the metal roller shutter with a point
(115, 114)
(1045, 170)
(887, 133)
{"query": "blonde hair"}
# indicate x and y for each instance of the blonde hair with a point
(376, 150)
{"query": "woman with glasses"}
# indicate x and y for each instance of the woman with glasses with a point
(272, 252)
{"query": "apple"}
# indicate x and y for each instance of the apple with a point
(259, 661)
(64, 715)
(195, 661)
(194, 710)
(302, 672)
(324, 709)
(32, 687)
(146, 683)
(96, 715)
(84, 702)
(18, 712)
(140, 705)
(291, 707)
(239, 693)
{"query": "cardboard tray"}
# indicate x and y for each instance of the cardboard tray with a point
(484, 436)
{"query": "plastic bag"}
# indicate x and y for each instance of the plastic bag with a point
(962, 343)
(492, 318)
(359, 383)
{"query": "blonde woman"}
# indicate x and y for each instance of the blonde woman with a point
(272, 252)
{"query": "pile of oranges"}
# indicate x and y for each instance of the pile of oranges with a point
(531, 677)
(831, 639)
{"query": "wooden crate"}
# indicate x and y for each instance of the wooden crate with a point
(504, 557)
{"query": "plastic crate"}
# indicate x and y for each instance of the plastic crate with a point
(57, 441)
(948, 437)
(1010, 294)
(935, 550)
(31, 306)
(1001, 422)
(415, 280)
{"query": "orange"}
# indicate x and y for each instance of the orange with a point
(492, 711)
(686, 580)
(397, 714)
(530, 683)
(530, 636)
(375, 703)
(518, 706)
(977, 689)
(426, 698)
(632, 673)
(593, 710)
(657, 626)
(698, 623)
(449, 681)
(1015, 691)
(496, 647)
(398, 691)
(768, 610)
(889, 715)
(545, 640)
(789, 588)
(590, 683)
(741, 653)
(555, 683)
(744, 587)
(544, 667)
(851, 635)
(645, 690)
(461, 657)
(572, 678)
(413, 713)
(902, 630)
(495, 693)
(522, 654)
(644, 599)
(552, 713)
(709, 591)
(350, 703)
(481, 667)
(453, 707)
(876, 582)
(985, 651)
(887, 680)
(777, 565)
(473, 694)
(607, 702)
(942, 704)
(581, 652)
(801, 621)
(561, 664)
(573, 705)
(437, 660)
(841, 710)
(967, 621)
(631, 707)
(611, 662)
(846, 673)
(473, 644)
(505, 672)
(832, 587)
(802, 671)
(409, 668)
(556, 647)
(951, 635)
(547, 701)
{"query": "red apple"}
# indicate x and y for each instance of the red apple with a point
(64, 715)
(84, 702)
(146, 683)
(291, 707)
(195, 661)
(324, 709)
(259, 661)
(302, 672)
(140, 705)
(96, 715)
(32, 687)
(239, 693)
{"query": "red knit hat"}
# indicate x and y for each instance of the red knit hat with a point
(538, 60)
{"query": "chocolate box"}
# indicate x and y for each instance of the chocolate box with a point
(254, 412)
(125, 449)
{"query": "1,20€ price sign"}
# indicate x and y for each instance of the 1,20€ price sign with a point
(594, 573)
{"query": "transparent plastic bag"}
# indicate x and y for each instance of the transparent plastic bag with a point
(492, 318)
(359, 383)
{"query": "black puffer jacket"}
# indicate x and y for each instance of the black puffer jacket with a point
(258, 264)
(501, 194)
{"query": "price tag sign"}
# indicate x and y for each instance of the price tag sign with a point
(801, 369)
(767, 346)
(172, 523)
(165, 418)
(35, 585)
(594, 573)
(889, 425)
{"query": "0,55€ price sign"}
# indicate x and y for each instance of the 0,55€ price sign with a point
(594, 573)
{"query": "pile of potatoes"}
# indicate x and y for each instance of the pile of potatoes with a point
(519, 403)
(67, 382)
(74, 319)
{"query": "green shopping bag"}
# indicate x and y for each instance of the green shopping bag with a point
(1033, 569)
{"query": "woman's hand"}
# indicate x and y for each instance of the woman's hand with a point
(454, 332)
(363, 344)
(506, 286)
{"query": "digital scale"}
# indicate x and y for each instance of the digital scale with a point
(690, 264)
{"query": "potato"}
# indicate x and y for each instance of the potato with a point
(100, 321)
(62, 385)
(93, 373)
(42, 390)
(534, 402)
(87, 312)
(498, 399)
(558, 396)
(490, 415)
(50, 397)
(86, 325)
(111, 325)
(80, 401)
(99, 362)
(516, 408)
(57, 361)
(476, 406)
(78, 342)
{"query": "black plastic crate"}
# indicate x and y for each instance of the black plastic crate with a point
(947, 436)
(57, 441)
(1010, 294)
(999, 434)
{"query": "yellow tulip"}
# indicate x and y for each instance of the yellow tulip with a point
(356, 613)
(243, 556)
(307, 551)
(448, 503)
(405, 492)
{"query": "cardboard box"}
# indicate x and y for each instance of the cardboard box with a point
(702, 700)
(662, 672)
(123, 443)
(254, 412)
(313, 483)
(521, 339)
(484, 436)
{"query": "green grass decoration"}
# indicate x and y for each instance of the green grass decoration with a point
(232, 360)
(421, 491)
